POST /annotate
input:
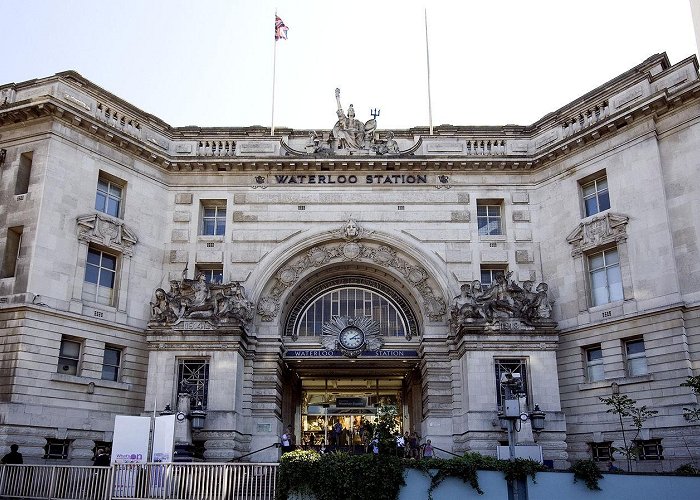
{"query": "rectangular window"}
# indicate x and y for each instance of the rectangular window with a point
(193, 379)
(594, 364)
(12, 254)
(69, 356)
(23, 173)
(213, 219)
(605, 277)
(488, 217)
(111, 363)
(100, 277)
(595, 195)
(518, 366)
(488, 275)
(109, 196)
(636, 357)
(650, 449)
(57, 449)
(602, 452)
(214, 274)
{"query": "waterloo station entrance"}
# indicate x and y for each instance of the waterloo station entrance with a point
(368, 334)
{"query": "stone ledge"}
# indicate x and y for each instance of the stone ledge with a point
(75, 379)
(602, 384)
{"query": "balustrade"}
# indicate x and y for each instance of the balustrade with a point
(216, 148)
(585, 119)
(482, 147)
(118, 120)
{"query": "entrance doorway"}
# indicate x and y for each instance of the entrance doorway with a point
(340, 413)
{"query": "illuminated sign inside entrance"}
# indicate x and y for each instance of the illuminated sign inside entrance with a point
(382, 353)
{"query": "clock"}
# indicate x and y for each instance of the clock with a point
(351, 338)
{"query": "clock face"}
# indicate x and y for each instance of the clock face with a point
(351, 338)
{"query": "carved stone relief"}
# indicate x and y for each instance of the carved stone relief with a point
(351, 250)
(106, 231)
(601, 230)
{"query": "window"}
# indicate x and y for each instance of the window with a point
(606, 279)
(518, 366)
(100, 277)
(23, 173)
(488, 217)
(213, 220)
(193, 379)
(595, 196)
(111, 363)
(650, 449)
(602, 452)
(488, 275)
(69, 356)
(13, 246)
(57, 448)
(212, 274)
(636, 357)
(594, 364)
(109, 197)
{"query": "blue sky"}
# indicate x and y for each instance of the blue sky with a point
(209, 62)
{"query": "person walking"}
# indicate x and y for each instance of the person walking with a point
(14, 457)
(102, 459)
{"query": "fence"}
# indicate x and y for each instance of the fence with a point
(140, 481)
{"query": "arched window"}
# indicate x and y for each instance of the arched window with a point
(352, 298)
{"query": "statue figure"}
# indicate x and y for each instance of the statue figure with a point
(541, 302)
(160, 309)
(351, 230)
(232, 303)
(389, 146)
(350, 132)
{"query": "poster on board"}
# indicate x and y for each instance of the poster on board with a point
(129, 448)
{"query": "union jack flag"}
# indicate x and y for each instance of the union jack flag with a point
(280, 29)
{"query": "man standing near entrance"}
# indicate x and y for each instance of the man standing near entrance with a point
(14, 457)
(288, 440)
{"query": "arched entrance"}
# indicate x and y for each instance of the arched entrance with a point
(351, 345)
(348, 311)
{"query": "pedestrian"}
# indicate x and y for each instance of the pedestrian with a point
(102, 459)
(414, 448)
(375, 445)
(428, 451)
(14, 457)
(287, 440)
(400, 445)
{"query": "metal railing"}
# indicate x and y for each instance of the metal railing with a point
(205, 481)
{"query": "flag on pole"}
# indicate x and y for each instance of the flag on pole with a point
(280, 29)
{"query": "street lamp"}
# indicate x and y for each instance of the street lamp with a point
(511, 415)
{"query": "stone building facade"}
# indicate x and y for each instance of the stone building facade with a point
(308, 275)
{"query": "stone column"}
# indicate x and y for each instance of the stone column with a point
(436, 379)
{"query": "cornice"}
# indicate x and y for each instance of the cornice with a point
(649, 90)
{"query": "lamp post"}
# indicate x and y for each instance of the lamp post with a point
(187, 420)
(511, 415)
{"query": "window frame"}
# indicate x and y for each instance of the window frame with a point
(13, 251)
(631, 358)
(590, 271)
(644, 445)
(117, 367)
(522, 368)
(592, 363)
(64, 444)
(217, 219)
(493, 272)
(87, 294)
(200, 391)
(209, 271)
(24, 173)
(602, 451)
(111, 182)
(60, 366)
(597, 194)
(488, 218)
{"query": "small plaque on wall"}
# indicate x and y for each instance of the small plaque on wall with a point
(264, 427)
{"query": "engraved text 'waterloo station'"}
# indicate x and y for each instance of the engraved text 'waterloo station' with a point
(352, 179)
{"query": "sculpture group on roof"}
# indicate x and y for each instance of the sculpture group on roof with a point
(502, 299)
(199, 299)
(351, 135)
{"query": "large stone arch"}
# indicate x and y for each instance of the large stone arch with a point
(283, 270)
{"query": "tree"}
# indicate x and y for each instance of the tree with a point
(386, 426)
(623, 406)
(692, 414)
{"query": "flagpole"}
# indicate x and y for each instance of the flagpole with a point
(427, 60)
(274, 70)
